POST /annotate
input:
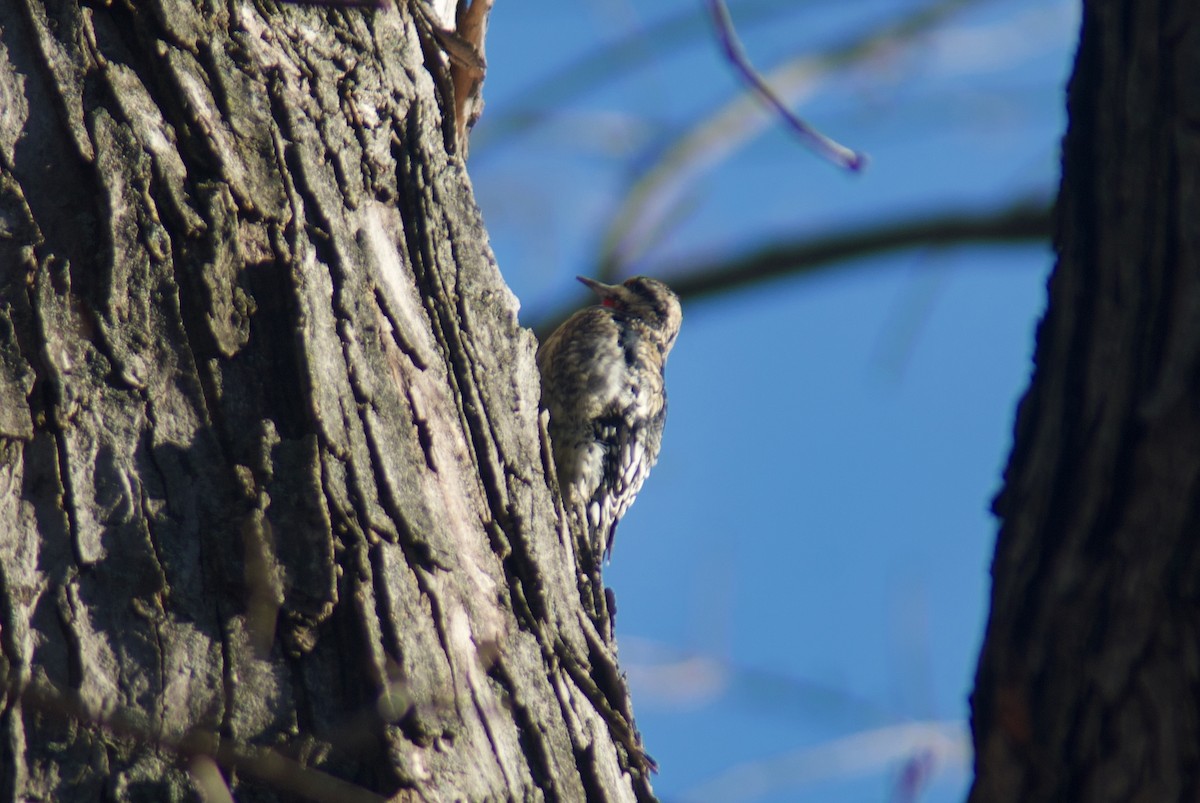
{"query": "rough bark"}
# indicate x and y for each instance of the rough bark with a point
(273, 482)
(1089, 679)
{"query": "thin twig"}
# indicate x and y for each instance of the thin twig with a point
(828, 148)
(545, 99)
(667, 181)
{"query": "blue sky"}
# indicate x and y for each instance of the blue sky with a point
(802, 584)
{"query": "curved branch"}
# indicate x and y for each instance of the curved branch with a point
(661, 185)
(548, 95)
(827, 148)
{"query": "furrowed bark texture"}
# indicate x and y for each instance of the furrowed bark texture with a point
(1089, 680)
(272, 475)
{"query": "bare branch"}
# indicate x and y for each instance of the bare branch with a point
(825, 147)
(661, 187)
(547, 96)
(265, 763)
(1025, 221)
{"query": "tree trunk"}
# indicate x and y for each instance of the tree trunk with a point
(273, 480)
(1089, 680)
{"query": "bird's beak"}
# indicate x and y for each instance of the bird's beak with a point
(605, 291)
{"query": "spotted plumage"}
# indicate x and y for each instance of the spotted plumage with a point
(602, 383)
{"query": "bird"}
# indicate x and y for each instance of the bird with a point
(604, 390)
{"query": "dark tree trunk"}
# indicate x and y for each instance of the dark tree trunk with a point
(1089, 679)
(272, 475)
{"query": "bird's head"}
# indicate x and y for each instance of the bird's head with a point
(644, 299)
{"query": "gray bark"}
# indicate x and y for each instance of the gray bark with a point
(1089, 679)
(273, 481)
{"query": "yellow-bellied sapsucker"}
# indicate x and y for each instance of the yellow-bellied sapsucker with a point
(602, 383)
